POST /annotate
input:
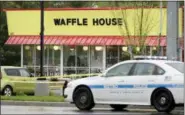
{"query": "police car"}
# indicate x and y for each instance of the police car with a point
(158, 83)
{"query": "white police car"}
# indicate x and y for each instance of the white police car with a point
(135, 82)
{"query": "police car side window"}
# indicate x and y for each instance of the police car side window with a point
(158, 71)
(120, 70)
(144, 69)
(147, 69)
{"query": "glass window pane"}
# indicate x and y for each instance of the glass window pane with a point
(120, 70)
(82, 59)
(12, 72)
(96, 59)
(82, 56)
(124, 53)
(28, 55)
(111, 55)
(147, 50)
(144, 69)
(69, 60)
(24, 73)
(159, 71)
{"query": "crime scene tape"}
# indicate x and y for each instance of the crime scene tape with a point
(70, 76)
(37, 82)
(49, 79)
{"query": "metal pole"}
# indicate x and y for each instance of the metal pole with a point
(172, 30)
(61, 61)
(42, 37)
(22, 53)
(159, 39)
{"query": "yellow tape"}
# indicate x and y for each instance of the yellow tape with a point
(69, 76)
(58, 82)
(51, 79)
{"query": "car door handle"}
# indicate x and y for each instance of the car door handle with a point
(122, 81)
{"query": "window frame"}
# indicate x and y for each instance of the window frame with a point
(156, 66)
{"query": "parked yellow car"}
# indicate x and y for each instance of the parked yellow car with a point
(16, 79)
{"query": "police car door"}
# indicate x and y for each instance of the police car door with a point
(143, 75)
(115, 84)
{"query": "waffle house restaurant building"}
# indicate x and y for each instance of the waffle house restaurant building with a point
(85, 40)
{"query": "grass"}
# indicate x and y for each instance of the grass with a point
(34, 98)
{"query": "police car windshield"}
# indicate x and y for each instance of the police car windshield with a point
(177, 66)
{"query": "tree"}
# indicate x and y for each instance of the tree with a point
(7, 52)
(142, 24)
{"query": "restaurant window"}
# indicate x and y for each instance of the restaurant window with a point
(51, 59)
(147, 50)
(69, 60)
(115, 54)
(124, 53)
(164, 51)
(76, 59)
(96, 59)
(154, 51)
(82, 59)
(28, 54)
(112, 55)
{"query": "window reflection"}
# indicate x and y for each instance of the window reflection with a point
(112, 55)
(31, 59)
(96, 59)
(115, 54)
(83, 59)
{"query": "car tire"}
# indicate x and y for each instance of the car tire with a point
(163, 101)
(7, 91)
(118, 107)
(83, 98)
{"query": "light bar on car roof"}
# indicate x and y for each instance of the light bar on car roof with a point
(150, 57)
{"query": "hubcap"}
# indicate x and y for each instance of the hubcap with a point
(83, 99)
(163, 100)
(7, 92)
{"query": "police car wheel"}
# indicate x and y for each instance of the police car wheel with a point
(163, 101)
(7, 91)
(83, 98)
(118, 107)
